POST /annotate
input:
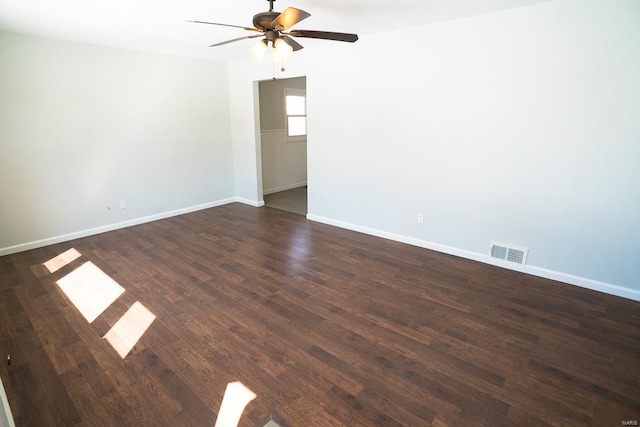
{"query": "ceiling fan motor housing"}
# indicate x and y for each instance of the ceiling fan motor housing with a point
(262, 21)
(271, 35)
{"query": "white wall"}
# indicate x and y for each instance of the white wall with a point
(519, 126)
(82, 127)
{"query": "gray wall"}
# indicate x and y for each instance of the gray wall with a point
(284, 163)
(82, 127)
(272, 113)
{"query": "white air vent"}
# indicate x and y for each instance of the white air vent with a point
(509, 252)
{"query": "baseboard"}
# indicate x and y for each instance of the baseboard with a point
(284, 188)
(6, 418)
(111, 227)
(583, 282)
(255, 204)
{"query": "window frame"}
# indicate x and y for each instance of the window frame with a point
(295, 92)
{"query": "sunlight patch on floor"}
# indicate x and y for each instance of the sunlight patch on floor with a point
(55, 264)
(129, 329)
(90, 289)
(236, 397)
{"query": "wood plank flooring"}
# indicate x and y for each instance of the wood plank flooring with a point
(294, 200)
(327, 327)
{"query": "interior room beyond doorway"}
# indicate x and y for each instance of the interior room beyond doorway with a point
(283, 150)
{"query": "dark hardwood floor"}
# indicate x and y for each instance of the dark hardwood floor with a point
(327, 327)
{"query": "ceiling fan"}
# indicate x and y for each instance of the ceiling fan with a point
(272, 26)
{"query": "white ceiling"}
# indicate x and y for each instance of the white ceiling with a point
(159, 25)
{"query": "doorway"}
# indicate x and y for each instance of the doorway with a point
(283, 142)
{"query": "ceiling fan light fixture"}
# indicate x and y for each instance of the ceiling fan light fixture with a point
(258, 50)
(282, 49)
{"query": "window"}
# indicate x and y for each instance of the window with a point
(296, 111)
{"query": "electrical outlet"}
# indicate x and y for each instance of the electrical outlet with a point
(123, 204)
(108, 208)
(420, 218)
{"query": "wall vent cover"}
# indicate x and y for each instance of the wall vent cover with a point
(509, 252)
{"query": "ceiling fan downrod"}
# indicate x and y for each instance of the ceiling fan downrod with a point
(271, 5)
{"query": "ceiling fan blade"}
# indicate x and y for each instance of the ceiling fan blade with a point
(290, 17)
(235, 40)
(326, 35)
(224, 25)
(291, 42)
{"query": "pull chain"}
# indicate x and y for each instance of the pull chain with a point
(273, 67)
